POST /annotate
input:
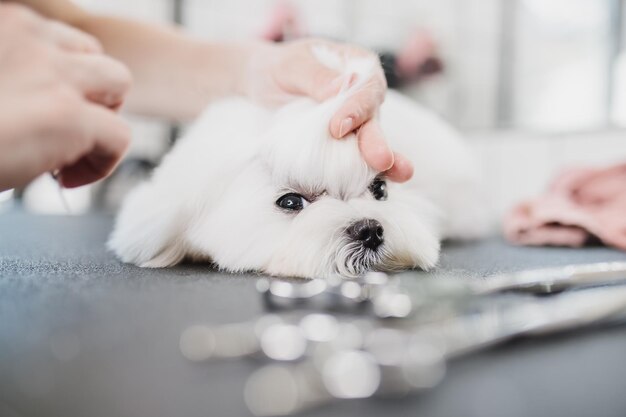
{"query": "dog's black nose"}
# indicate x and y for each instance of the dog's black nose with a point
(368, 231)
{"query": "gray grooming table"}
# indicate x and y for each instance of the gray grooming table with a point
(83, 335)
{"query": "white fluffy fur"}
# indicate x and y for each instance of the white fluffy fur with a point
(213, 197)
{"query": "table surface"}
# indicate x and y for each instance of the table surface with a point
(82, 334)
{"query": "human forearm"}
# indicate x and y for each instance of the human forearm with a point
(175, 75)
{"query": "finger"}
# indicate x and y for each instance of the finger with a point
(111, 137)
(402, 169)
(101, 79)
(71, 39)
(359, 108)
(374, 148)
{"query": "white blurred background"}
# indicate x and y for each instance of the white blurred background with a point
(535, 85)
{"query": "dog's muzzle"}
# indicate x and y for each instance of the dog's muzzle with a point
(367, 231)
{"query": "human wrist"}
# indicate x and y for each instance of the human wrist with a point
(252, 62)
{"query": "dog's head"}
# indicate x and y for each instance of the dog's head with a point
(306, 204)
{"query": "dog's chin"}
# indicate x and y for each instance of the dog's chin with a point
(354, 260)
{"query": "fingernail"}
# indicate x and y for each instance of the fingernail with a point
(345, 126)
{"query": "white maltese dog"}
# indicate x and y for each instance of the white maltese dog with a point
(255, 189)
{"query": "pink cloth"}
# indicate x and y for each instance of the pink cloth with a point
(580, 205)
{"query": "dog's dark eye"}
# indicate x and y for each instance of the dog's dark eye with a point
(292, 202)
(378, 188)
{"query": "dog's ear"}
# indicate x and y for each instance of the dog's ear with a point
(148, 230)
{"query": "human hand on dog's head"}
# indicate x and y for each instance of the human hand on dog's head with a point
(277, 72)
